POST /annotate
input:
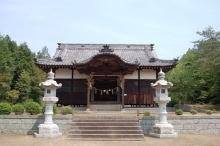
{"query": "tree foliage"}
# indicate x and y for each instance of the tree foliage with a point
(19, 76)
(23, 85)
(197, 74)
(44, 53)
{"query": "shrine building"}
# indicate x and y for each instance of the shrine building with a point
(113, 74)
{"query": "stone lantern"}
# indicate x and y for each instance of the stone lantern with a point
(48, 129)
(163, 128)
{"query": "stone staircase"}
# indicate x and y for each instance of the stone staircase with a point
(105, 107)
(105, 127)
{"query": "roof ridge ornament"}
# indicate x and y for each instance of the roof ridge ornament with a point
(58, 58)
(152, 59)
(151, 47)
(136, 61)
(106, 49)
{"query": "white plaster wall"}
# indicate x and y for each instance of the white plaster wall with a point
(67, 74)
(144, 74)
(78, 75)
(134, 75)
(148, 74)
(63, 73)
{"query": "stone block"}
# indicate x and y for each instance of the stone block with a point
(177, 127)
(209, 121)
(163, 131)
(217, 126)
(48, 131)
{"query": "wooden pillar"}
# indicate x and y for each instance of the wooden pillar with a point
(122, 84)
(92, 94)
(119, 100)
(139, 88)
(157, 71)
(90, 84)
(72, 85)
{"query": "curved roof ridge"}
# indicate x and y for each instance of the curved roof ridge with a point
(113, 54)
(143, 54)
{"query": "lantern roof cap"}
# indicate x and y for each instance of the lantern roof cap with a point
(50, 83)
(161, 83)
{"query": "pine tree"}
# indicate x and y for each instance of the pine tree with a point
(23, 85)
(43, 53)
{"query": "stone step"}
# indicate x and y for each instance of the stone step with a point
(106, 132)
(105, 107)
(106, 128)
(105, 124)
(107, 137)
(104, 120)
(102, 117)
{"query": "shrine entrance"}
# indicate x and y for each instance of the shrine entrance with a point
(106, 89)
(105, 78)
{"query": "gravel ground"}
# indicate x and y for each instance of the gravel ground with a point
(181, 140)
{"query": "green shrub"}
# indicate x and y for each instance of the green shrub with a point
(55, 109)
(179, 111)
(12, 96)
(146, 113)
(193, 111)
(26, 102)
(66, 110)
(18, 109)
(33, 108)
(5, 108)
(173, 102)
(209, 112)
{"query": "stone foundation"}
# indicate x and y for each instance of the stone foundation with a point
(207, 124)
(28, 124)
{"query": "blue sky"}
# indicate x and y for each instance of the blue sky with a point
(169, 24)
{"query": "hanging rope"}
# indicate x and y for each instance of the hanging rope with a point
(106, 91)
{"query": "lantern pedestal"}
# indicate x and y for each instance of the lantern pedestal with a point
(163, 129)
(48, 129)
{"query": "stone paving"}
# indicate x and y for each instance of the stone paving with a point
(181, 140)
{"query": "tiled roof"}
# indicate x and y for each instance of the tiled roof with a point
(69, 54)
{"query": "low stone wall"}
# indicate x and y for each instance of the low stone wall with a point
(209, 124)
(187, 108)
(28, 124)
(151, 109)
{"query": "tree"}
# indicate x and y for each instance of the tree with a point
(209, 47)
(36, 77)
(23, 85)
(43, 53)
(183, 78)
(19, 76)
(197, 75)
(12, 96)
(6, 66)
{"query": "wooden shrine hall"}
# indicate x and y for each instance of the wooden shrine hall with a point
(97, 74)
